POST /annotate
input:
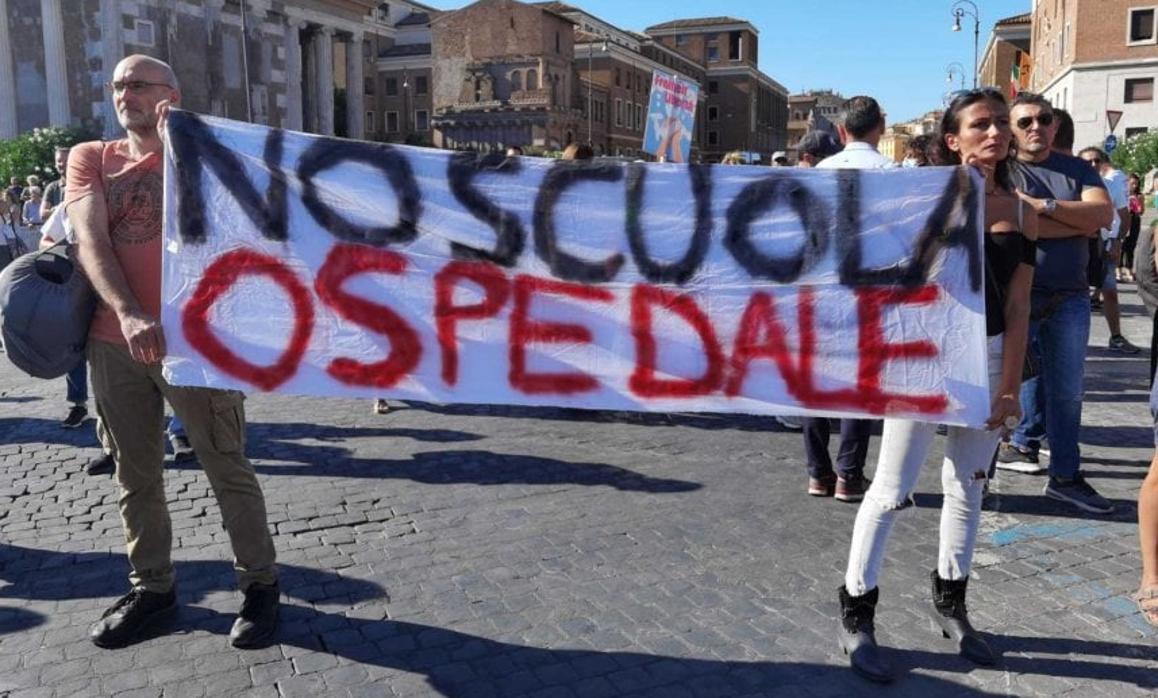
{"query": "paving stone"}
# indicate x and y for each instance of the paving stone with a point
(565, 553)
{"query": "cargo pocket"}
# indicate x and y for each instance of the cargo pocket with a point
(228, 421)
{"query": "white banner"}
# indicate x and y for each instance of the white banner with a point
(319, 266)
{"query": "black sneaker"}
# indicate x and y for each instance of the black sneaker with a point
(256, 622)
(76, 416)
(851, 489)
(1078, 492)
(1019, 460)
(182, 450)
(1123, 345)
(105, 465)
(123, 623)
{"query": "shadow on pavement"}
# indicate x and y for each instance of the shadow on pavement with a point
(695, 420)
(1125, 510)
(455, 467)
(1103, 460)
(1118, 437)
(13, 620)
(458, 664)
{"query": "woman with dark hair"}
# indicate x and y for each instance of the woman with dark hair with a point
(974, 131)
(1137, 204)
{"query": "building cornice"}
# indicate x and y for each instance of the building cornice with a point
(703, 29)
(1098, 65)
(749, 71)
(622, 54)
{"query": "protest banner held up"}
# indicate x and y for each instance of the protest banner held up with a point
(318, 266)
(671, 117)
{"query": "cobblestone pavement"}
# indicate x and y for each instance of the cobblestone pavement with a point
(463, 551)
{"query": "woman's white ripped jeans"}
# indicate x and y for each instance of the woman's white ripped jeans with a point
(904, 448)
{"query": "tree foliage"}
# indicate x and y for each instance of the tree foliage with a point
(1137, 154)
(31, 153)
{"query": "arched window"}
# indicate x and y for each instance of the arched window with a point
(516, 81)
(532, 79)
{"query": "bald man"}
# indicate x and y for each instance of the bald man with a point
(114, 200)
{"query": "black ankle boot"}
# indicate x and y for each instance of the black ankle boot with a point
(857, 637)
(949, 612)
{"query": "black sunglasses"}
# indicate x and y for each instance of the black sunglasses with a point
(1045, 119)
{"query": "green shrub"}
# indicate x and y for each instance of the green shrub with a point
(1138, 154)
(32, 153)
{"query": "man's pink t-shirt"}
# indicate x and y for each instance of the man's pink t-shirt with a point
(133, 195)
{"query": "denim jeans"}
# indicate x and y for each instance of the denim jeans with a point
(77, 384)
(904, 449)
(175, 428)
(1051, 402)
(854, 443)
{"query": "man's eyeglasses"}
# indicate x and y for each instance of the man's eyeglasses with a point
(120, 86)
(1044, 120)
(1096, 162)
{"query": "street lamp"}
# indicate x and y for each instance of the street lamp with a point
(955, 67)
(959, 11)
(590, 54)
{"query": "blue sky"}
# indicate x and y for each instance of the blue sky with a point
(895, 50)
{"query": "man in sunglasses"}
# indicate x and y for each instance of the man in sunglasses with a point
(1072, 206)
(114, 201)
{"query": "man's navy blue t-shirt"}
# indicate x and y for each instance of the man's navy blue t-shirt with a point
(1061, 262)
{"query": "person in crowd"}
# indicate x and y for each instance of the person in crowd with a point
(1110, 246)
(779, 159)
(31, 214)
(917, 152)
(514, 151)
(120, 250)
(1147, 595)
(734, 157)
(578, 151)
(13, 201)
(861, 125)
(54, 192)
(1072, 205)
(974, 131)
(1137, 205)
(53, 231)
(1063, 136)
(814, 147)
(179, 441)
(1146, 278)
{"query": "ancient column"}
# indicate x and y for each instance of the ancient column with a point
(324, 42)
(7, 79)
(55, 70)
(355, 104)
(293, 74)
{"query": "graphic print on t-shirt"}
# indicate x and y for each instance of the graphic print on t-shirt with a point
(134, 202)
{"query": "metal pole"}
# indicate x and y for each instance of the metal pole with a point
(976, 36)
(245, 62)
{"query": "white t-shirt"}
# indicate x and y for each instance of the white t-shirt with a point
(857, 155)
(1117, 188)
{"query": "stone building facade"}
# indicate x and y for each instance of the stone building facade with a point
(1007, 62)
(614, 67)
(1090, 56)
(270, 61)
(491, 74)
(808, 111)
(746, 109)
(503, 76)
